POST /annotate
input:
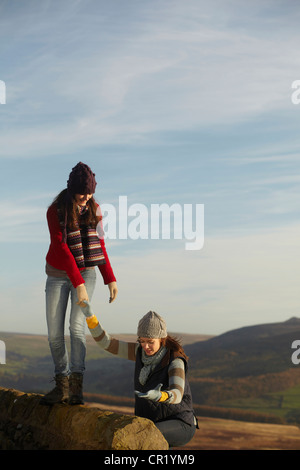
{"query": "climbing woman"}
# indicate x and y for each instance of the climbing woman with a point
(76, 247)
(162, 389)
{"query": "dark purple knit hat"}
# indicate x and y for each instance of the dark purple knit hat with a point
(81, 180)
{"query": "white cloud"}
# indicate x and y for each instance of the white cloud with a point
(178, 72)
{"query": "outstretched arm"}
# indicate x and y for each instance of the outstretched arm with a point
(105, 340)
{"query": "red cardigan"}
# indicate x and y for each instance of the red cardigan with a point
(59, 255)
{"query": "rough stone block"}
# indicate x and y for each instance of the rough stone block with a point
(25, 424)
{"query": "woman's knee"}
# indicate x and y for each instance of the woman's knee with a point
(176, 432)
(56, 340)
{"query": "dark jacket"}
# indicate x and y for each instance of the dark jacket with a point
(160, 411)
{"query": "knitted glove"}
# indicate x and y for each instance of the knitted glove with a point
(154, 395)
(86, 308)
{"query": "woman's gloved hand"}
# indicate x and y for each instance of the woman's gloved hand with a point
(154, 395)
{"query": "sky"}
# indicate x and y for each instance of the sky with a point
(169, 102)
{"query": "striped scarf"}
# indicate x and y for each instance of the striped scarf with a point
(149, 363)
(84, 244)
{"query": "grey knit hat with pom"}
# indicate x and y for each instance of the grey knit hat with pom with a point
(152, 325)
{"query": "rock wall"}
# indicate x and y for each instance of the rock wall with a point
(25, 424)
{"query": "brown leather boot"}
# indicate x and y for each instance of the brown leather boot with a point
(75, 389)
(59, 394)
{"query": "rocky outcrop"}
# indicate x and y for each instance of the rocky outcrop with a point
(25, 424)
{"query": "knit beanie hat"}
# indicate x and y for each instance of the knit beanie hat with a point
(81, 180)
(152, 325)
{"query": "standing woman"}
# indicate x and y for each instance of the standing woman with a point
(163, 394)
(75, 249)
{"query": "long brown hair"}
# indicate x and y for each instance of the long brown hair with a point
(69, 204)
(174, 345)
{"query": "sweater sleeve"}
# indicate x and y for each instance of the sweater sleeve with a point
(59, 255)
(176, 382)
(108, 343)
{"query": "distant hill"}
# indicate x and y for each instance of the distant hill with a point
(246, 362)
(250, 350)
(185, 338)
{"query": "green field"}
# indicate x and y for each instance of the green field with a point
(284, 404)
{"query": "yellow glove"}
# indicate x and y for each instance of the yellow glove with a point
(92, 322)
(164, 396)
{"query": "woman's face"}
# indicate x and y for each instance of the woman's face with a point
(82, 199)
(150, 345)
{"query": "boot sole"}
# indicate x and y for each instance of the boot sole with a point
(75, 402)
(47, 403)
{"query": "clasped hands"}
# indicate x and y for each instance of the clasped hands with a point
(154, 395)
(83, 296)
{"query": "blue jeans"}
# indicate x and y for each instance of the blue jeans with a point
(58, 291)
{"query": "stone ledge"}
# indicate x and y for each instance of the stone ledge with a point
(25, 424)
